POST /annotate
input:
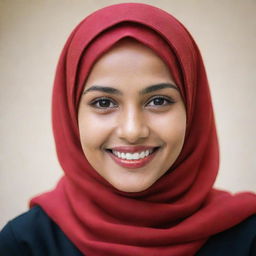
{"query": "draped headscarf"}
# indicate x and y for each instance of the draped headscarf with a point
(179, 212)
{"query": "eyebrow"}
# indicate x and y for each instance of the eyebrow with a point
(157, 87)
(149, 89)
(106, 89)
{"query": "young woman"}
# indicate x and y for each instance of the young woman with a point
(135, 135)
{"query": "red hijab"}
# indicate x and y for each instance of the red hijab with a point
(179, 212)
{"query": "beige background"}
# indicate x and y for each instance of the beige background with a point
(32, 35)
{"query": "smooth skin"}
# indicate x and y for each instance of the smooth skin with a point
(131, 111)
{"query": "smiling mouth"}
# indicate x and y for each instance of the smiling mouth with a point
(132, 160)
(133, 156)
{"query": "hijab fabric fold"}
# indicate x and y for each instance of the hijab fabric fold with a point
(179, 212)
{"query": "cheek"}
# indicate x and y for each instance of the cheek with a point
(171, 127)
(93, 130)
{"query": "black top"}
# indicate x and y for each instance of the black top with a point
(34, 233)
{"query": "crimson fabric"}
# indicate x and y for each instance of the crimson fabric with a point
(179, 212)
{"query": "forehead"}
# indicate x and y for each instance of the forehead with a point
(129, 59)
(129, 48)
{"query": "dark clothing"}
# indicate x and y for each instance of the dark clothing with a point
(35, 234)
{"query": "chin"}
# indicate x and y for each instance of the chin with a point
(131, 187)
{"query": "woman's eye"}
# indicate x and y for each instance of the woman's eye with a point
(160, 101)
(103, 103)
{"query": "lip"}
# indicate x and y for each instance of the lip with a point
(132, 164)
(132, 149)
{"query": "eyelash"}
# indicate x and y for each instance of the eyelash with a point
(95, 103)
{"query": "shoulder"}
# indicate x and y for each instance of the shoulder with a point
(34, 233)
(238, 240)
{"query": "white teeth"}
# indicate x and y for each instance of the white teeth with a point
(132, 156)
(128, 156)
(142, 154)
(136, 156)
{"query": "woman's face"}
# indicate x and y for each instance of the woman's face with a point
(131, 117)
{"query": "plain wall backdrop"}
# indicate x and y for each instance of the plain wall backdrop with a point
(32, 34)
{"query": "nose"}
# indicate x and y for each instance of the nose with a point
(132, 126)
